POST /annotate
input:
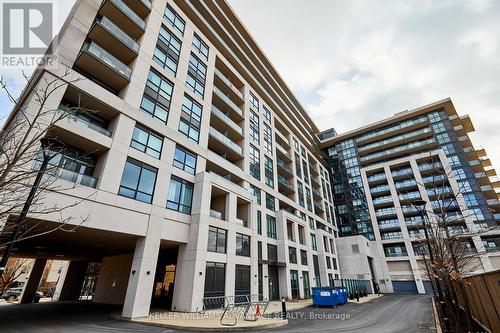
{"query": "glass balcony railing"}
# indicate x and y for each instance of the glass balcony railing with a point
(104, 56)
(283, 151)
(130, 13)
(118, 33)
(397, 138)
(385, 212)
(397, 149)
(85, 121)
(222, 116)
(282, 180)
(227, 101)
(318, 206)
(225, 140)
(284, 166)
(401, 125)
(402, 172)
(316, 192)
(385, 226)
(228, 83)
(379, 189)
(377, 177)
(382, 200)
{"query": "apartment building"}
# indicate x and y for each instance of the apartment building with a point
(378, 170)
(199, 169)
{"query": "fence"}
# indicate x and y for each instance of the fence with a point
(236, 307)
(354, 285)
(483, 294)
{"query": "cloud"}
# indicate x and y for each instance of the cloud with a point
(352, 63)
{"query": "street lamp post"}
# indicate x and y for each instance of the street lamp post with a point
(27, 204)
(419, 205)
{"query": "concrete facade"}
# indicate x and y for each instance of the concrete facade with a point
(252, 143)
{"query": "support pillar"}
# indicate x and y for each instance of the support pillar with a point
(33, 281)
(73, 281)
(142, 273)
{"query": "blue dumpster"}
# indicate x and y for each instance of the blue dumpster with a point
(343, 297)
(325, 296)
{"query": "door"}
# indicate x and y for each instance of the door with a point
(274, 287)
(407, 287)
(294, 283)
(215, 285)
(307, 287)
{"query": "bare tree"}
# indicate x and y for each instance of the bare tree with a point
(15, 268)
(32, 122)
(445, 245)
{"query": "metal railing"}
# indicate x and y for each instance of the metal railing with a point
(236, 307)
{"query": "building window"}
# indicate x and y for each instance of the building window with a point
(147, 142)
(268, 171)
(314, 245)
(300, 194)
(328, 263)
(259, 222)
(308, 199)
(254, 127)
(216, 240)
(268, 139)
(197, 72)
(254, 101)
(298, 170)
(242, 282)
(254, 155)
(242, 245)
(256, 193)
(215, 281)
(190, 122)
(185, 160)
(200, 46)
(271, 226)
(292, 255)
(303, 257)
(174, 19)
(138, 181)
(157, 96)
(306, 172)
(270, 203)
(180, 195)
(272, 253)
(168, 49)
(267, 114)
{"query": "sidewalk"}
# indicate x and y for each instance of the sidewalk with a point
(210, 320)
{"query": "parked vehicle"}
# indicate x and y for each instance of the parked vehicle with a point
(12, 294)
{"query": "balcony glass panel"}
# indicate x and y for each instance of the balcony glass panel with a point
(130, 13)
(103, 55)
(118, 33)
(224, 139)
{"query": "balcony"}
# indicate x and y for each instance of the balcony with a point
(406, 184)
(386, 212)
(92, 122)
(223, 101)
(119, 44)
(284, 185)
(316, 193)
(224, 146)
(380, 189)
(398, 151)
(281, 138)
(389, 226)
(233, 92)
(283, 152)
(318, 206)
(284, 167)
(389, 131)
(377, 178)
(395, 140)
(73, 177)
(140, 7)
(315, 182)
(103, 67)
(124, 17)
(223, 121)
(382, 201)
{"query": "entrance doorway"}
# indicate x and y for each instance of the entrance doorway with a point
(274, 287)
(163, 289)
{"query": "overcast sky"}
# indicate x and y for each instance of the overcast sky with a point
(353, 62)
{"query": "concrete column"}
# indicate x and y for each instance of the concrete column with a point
(33, 281)
(60, 282)
(73, 281)
(142, 273)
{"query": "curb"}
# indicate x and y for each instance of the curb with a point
(206, 329)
